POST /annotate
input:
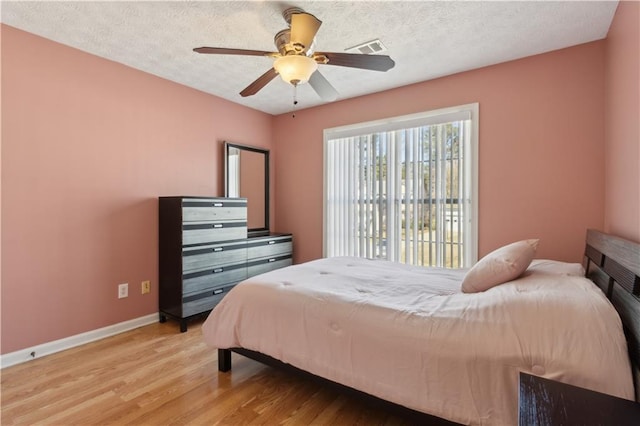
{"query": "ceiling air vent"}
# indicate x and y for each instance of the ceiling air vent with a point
(370, 47)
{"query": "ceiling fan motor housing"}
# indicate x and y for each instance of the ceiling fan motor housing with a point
(282, 41)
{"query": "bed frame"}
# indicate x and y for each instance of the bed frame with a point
(611, 262)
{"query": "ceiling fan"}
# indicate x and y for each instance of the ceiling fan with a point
(296, 61)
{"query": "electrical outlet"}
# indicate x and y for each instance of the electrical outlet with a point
(123, 290)
(146, 287)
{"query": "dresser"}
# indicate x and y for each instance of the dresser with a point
(204, 252)
(266, 253)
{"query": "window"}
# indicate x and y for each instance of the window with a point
(404, 189)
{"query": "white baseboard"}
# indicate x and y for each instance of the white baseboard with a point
(49, 348)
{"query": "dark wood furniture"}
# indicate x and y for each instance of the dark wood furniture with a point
(547, 402)
(204, 252)
(269, 252)
(611, 262)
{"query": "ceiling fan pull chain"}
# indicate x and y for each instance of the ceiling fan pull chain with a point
(295, 100)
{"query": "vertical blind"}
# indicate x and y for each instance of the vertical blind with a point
(403, 193)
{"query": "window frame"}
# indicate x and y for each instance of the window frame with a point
(431, 117)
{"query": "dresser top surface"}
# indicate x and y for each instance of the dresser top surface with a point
(268, 235)
(199, 197)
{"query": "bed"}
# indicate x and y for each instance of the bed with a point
(411, 337)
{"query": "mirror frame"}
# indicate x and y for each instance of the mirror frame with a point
(227, 147)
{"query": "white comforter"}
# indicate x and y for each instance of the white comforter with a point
(408, 335)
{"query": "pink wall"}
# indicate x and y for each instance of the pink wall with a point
(1, 174)
(87, 147)
(541, 172)
(622, 123)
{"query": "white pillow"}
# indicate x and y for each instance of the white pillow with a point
(555, 267)
(501, 265)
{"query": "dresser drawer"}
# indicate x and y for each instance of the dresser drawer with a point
(199, 281)
(266, 265)
(194, 210)
(206, 232)
(212, 255)
(269, 247)
(203, 302)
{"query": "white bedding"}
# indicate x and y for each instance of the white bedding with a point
(409, 335)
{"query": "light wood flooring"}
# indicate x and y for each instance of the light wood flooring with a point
(155, 375)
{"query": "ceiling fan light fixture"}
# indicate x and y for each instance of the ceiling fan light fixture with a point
(295, 69)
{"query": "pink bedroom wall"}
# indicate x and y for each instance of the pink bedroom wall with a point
(0, 188)
(540, 149)
(622, 123)
(87, 147)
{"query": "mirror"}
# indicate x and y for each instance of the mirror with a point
(247, 176)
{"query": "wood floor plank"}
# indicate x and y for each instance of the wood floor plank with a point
(156, 375)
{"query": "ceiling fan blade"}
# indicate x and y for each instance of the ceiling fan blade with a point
(356, 60)
(260, 82)
(304, 27)
(226, 51)
(323, 88)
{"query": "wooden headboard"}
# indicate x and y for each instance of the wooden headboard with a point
(613, 264)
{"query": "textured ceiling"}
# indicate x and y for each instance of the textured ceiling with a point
(426, 39)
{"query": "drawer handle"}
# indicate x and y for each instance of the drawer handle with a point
(272, 242)
(218, 270)
(217, 204)
(271, 260)
(217, 225)
(218, 249)
(217, 291)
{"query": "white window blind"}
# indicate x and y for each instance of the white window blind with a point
(404, 189)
